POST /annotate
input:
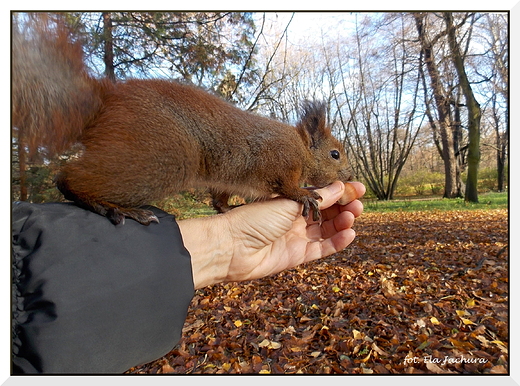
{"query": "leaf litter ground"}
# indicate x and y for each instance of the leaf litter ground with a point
(417, 292)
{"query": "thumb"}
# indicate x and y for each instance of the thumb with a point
(331, 194)
(341, 193)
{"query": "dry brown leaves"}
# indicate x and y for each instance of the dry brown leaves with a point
(415, 293)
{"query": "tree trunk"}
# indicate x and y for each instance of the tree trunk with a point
(500, 172)
(501, 158)
(442, 104)
(474, 113)
(501, 144)
(108, 56)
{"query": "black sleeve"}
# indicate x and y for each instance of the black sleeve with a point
(92, 297)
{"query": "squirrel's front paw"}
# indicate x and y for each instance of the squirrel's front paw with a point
(310, 202)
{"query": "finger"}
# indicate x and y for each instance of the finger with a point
(341, 193)
(330, 194)
(355, 207)
(342, 221)
(338, 242)
(360, 188)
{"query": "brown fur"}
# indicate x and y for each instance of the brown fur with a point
(147, 139)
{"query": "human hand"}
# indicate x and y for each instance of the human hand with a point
(264, 238)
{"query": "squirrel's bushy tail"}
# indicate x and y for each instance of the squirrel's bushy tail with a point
(53, 96)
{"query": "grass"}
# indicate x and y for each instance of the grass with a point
(191, 205)
(490, 200)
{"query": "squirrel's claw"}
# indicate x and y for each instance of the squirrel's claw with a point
(142, 216)
(311, 204)
(117, 215)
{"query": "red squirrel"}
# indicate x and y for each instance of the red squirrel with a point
(146, 139)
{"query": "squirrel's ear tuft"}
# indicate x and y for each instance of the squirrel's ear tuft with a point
(313, 122)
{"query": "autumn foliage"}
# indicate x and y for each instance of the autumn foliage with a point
(417, 292)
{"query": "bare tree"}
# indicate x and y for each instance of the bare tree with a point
(445, 127)
(290, 74)
(495, 37)
(473, 107)
(376, 101)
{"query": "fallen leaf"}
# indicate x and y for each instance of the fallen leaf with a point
(436, 369)
(270, 344)
(423, 345)
(166, 369)
(357, 334)
(379, 351)
(275, 345)
(501, 346)
(499, 369)
(365, 359)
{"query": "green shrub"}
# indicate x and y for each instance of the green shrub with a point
(418, 183)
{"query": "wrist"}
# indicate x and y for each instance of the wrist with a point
(210, 254)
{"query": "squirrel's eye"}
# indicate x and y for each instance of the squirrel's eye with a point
(334, 154)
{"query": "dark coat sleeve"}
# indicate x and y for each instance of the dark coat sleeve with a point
(92, 297)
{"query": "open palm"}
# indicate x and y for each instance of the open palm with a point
(269, 237)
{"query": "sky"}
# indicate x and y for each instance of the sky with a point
(305, 26)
